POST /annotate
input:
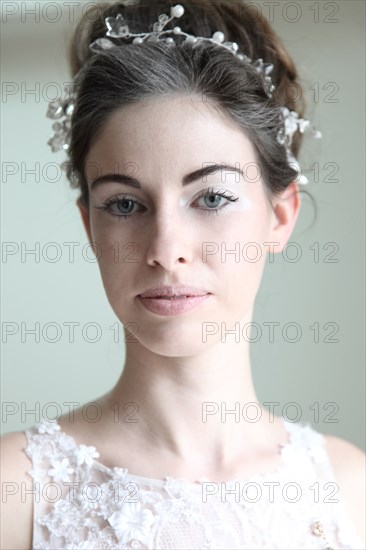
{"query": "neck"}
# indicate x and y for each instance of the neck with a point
(190, 407)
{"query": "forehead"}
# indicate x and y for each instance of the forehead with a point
(171, 131)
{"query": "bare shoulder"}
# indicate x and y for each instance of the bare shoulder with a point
(16, 503)
(349, 466)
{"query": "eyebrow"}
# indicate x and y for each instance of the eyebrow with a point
(213, 168)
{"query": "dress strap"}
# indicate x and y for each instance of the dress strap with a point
(305, 439)
(312, 444)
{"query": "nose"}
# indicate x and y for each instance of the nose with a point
(168, 242)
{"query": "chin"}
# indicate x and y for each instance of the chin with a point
(178, 337)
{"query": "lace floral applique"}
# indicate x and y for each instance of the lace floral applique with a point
(93, 506)
(132, 522)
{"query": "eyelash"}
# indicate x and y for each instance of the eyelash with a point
(222, 193)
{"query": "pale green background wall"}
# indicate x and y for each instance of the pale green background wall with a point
(37, 210)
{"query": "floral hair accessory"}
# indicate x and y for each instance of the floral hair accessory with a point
(117, 28)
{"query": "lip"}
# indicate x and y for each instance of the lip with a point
(172, 306)
(171, 291)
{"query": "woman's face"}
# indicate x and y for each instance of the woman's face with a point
(165, 231)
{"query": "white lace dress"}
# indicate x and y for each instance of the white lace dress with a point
(81, 503)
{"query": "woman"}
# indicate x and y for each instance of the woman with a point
(183, 153)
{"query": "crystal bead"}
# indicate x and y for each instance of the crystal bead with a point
(303, 124)
(163, 18)
(258, 64)
(56, 143)
(290, 125)
(268, 68)
(218, 37)
(105, 44)
(177, 11)
(55, 110)
(69, 109)
(190, 40)
(281, 136)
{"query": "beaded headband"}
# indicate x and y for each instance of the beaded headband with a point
(62, 109)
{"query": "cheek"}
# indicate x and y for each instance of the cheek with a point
(119, 258)
(245, 229)
(241, 258)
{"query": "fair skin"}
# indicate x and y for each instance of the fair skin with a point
(170, 370)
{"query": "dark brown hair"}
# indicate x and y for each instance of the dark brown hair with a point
(122, 75)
